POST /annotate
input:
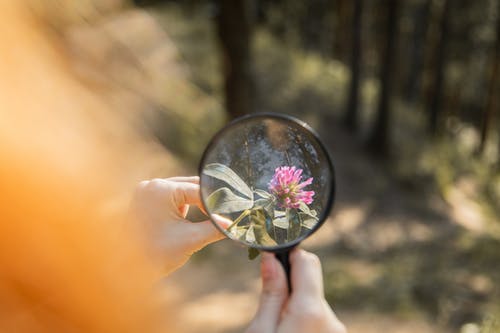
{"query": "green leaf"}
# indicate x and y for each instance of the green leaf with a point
(262, 203)
(305, 209)
(279, 213)
(253, 253)
(224, 201)
(266, 204)
(308, 222)
(294, 224)
(250, 236)
(281, 222)
(224, 173)
(262, 237)
(238, 232)
(263, 194)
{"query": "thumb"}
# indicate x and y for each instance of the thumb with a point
(199, 234)
(306, 275)
(273, 297)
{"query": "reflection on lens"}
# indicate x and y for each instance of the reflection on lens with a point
(268, 179)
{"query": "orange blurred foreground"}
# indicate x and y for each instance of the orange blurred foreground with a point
(69, 262)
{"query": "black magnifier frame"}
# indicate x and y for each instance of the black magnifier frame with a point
(282, 249)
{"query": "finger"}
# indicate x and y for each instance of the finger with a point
(199, 235)
(190, 179)
(306, 276)
(193, 180)
(178, 193)
(187, 191)
(273, 297)
(187, 194)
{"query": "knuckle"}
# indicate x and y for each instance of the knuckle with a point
(158, 186)
(156, 182)
(143, 184)
(139, 191)
(148, 185)
(274, 294)
(152, 189)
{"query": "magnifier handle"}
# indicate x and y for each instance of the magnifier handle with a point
(284, 259)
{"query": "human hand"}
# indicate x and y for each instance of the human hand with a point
(161, 206)
(305, 310)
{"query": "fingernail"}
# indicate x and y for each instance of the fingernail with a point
(223, 222)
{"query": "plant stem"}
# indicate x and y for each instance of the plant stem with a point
(287, 214)
(238, 220)
(300, 224)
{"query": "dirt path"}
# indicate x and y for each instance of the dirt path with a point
(218, 292)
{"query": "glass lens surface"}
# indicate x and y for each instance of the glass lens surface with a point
(266, 181)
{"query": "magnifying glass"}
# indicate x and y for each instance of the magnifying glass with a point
(268, 182)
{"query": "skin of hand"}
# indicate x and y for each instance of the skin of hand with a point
(305, 309)
(160, 207)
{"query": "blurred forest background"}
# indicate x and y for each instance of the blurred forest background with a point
(405, 95)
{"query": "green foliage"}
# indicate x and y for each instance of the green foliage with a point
(491, 324)
(227, 175)
(295, 81)
(224, 201)
(191, 103)
(258, 220)
(253, 253)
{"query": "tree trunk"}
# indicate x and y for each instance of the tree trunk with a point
(497, 168)
(491, 104)
(351, 116)
(341, 32)
(436, 102)
(234, 30)
(421, 18)
(379, 139)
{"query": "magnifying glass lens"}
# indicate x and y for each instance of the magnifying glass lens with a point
(267, 181)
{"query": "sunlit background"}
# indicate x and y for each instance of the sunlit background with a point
(404, 94)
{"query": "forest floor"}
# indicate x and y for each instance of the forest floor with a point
(217, 291)
(397, 255)
(394, 260)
